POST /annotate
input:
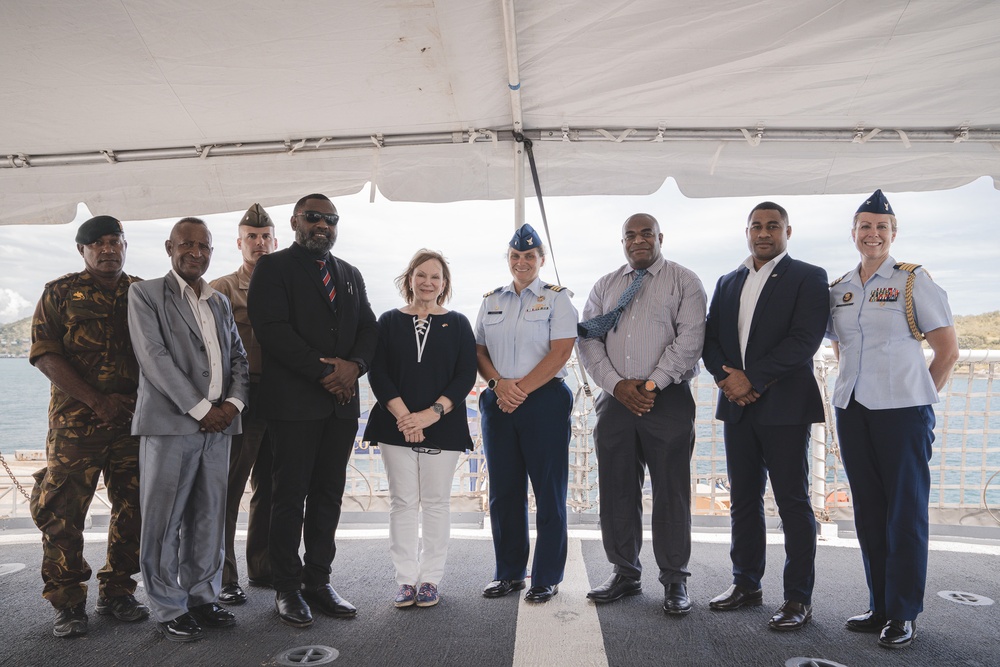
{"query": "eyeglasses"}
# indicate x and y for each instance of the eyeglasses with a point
(426, 450)
(312, 217)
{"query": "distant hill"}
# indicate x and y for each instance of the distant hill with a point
(975, 332)
(15, 338)
(978, 332)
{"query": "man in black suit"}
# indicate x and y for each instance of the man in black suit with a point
(317, 334)
(766, 321)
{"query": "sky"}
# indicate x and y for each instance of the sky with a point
(954, 234)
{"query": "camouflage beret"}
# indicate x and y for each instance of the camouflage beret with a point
(256, 216)
(97, 227)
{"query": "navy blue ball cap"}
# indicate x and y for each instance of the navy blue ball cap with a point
(525, 238)
(877, 203)
(97, 227)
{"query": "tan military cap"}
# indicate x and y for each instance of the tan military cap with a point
(256, 216)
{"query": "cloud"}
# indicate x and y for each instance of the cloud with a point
(952, 233)
(13, 306)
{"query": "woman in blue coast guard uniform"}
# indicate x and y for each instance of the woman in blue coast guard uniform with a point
(524, 336)
(885, 421)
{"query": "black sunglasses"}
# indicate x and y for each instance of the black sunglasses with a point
(426, 450)
(312, 217)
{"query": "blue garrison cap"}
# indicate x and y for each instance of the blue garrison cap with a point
(97, 227)
(525, 238)
(877, 203)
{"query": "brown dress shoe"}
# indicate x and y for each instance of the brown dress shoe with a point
(790, 616)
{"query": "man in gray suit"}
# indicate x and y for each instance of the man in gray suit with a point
(193, 385)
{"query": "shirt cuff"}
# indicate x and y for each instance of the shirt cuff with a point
(240, 405)
(199, 411)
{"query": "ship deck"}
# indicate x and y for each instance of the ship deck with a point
(469, 630)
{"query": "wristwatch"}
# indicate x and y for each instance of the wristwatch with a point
(492, 384)
(651, 386)
(438, 408)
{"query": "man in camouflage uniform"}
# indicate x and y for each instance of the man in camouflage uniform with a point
(256, 239)
(80, 341)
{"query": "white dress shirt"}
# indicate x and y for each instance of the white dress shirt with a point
(752, 288)
(205, 318)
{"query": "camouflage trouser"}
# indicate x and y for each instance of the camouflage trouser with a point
(63, 491)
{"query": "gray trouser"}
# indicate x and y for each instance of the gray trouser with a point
(182, 492)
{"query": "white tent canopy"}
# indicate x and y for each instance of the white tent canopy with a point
(152, 108)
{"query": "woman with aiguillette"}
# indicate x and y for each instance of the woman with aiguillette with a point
(885, 421)
(424, 367)
(524, 336)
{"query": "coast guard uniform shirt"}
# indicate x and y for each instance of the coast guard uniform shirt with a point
(881, 362)
(516, 329)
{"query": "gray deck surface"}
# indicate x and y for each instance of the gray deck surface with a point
(469, 631)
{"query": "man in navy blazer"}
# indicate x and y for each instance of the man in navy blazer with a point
(766, 321)
(193, 385)
(317, 332)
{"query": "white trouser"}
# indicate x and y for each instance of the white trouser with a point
(419, 482)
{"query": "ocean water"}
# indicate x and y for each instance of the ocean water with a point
(24, 406)
(967, 444)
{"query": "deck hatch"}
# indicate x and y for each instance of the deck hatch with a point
(307, 655)
(962, 597)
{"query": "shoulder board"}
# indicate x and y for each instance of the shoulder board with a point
(493, 291)
(554, 288)
(839, 279)
(912, 268)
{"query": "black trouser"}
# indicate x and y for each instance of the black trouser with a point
(752, 452)
(245, 454)
(308, 476)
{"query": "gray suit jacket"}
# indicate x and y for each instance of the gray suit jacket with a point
(173, 363)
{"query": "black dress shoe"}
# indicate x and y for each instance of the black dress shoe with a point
(676, 600)
(123, 607)
(292, 609)
(791, 616)
(736, 597)
(614, 588)
(328, 601)
(870, 621)
(541, 593)
(181, 629)
(502, 587)
(71, 622)
(211, 615)
(232, 594)
(897, 634)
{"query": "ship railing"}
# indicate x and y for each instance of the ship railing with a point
(965, 466)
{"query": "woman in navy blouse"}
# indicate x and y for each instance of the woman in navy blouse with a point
(424, 367)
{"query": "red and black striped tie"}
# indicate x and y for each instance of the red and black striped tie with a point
(324, 274)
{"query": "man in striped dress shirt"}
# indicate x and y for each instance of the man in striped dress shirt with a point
(645, 413)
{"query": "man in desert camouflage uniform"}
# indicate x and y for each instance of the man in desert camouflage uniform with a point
(80, 341)
(251, 449)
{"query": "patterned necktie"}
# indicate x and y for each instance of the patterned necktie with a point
(324, 274)
(602, 324)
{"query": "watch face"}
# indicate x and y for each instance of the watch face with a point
(492, 384)
(438, 408)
